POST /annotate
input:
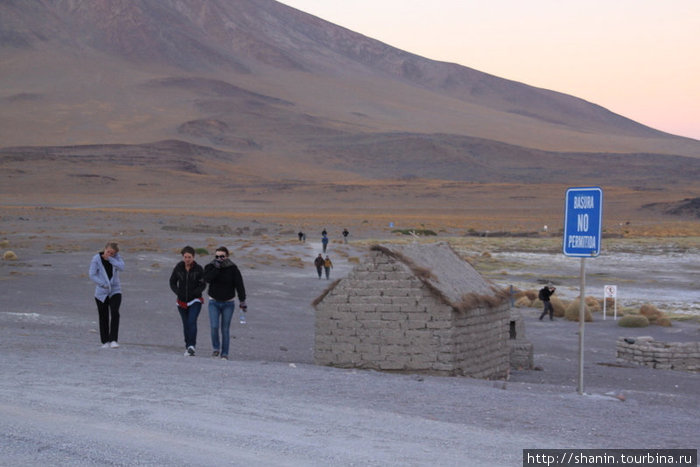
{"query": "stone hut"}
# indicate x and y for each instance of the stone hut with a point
(414, 308)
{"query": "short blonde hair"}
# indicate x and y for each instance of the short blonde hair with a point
(113, 246)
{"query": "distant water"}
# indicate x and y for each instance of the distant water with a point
(671, 281)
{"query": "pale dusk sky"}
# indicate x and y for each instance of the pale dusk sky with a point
(637, 58)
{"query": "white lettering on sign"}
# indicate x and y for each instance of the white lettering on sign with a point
(582, 223)
(581, 241)
(583, 202)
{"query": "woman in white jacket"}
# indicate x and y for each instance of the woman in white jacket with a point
(104, 272)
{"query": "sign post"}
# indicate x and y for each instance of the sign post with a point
(583, 222)
(609, 291)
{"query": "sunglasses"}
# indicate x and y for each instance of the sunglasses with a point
(220, 256)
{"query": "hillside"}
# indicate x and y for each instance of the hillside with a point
(270, 95)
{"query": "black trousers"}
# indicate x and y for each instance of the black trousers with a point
(109, 328)
(547, 307)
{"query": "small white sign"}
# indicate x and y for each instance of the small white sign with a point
(610, 291)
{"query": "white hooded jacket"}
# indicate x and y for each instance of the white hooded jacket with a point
(106, 287)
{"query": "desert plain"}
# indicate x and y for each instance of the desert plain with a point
(66, 401)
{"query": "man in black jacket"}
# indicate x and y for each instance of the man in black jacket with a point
(187, 282)
(544, 295)
(225, 281)
(319, 262)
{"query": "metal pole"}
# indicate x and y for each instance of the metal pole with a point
(581, 325)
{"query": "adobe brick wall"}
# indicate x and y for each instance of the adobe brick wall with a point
(646, 351)
(383, 317)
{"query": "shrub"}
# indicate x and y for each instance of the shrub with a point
(572, 311)
(663, 321)
(201, 251)
(558, 306)
(633, 321)
(523, 302)
(650, 311)
(594, 304)
(9, 256)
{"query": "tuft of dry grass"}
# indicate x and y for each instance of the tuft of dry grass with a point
(594, 304)
(558, 306)
(633, 321)
(650, 311)
(664, 321)
(10, 255)
(573, 309)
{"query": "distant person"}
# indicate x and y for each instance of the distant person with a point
(324, 242)
(544, 295)
(327, 266)
(345, 235)
(324, 233)
(302, 236)
(224, 279)
(187, 282)
(104, 272)
(319, 262)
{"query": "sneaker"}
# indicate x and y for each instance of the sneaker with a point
(190, 351)
(242, 318)
(105, 345)
(224, 357)
(114, 344)
(215, 353)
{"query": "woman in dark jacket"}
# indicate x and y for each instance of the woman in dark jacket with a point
(187, 282)
(225, 281)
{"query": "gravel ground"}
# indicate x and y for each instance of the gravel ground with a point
(66, 401)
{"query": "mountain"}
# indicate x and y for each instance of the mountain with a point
(266, 93)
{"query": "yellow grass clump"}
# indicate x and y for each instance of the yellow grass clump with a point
(558, 305)
(594, 304)
(4, 243)
(650, 311)
(633, 321)
(9, 256)
(572, 311)
(522, 302)
(654, 315)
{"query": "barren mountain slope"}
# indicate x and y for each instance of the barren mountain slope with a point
(172, 97)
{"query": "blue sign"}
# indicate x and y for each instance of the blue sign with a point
(583, 221)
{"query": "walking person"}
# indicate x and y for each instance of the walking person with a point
(225, 280)
(324, 241)
(544, 295)
(327, 266)
(187, 282)
(345, 235)
(104, 272)
(319, 262)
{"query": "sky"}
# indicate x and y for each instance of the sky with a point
(637, 58)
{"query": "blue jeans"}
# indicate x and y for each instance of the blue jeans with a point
(220, 314)
(189, 323)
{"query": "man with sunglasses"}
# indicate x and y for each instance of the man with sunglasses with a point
(225, 281)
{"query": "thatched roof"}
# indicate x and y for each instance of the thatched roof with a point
(448, 276)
